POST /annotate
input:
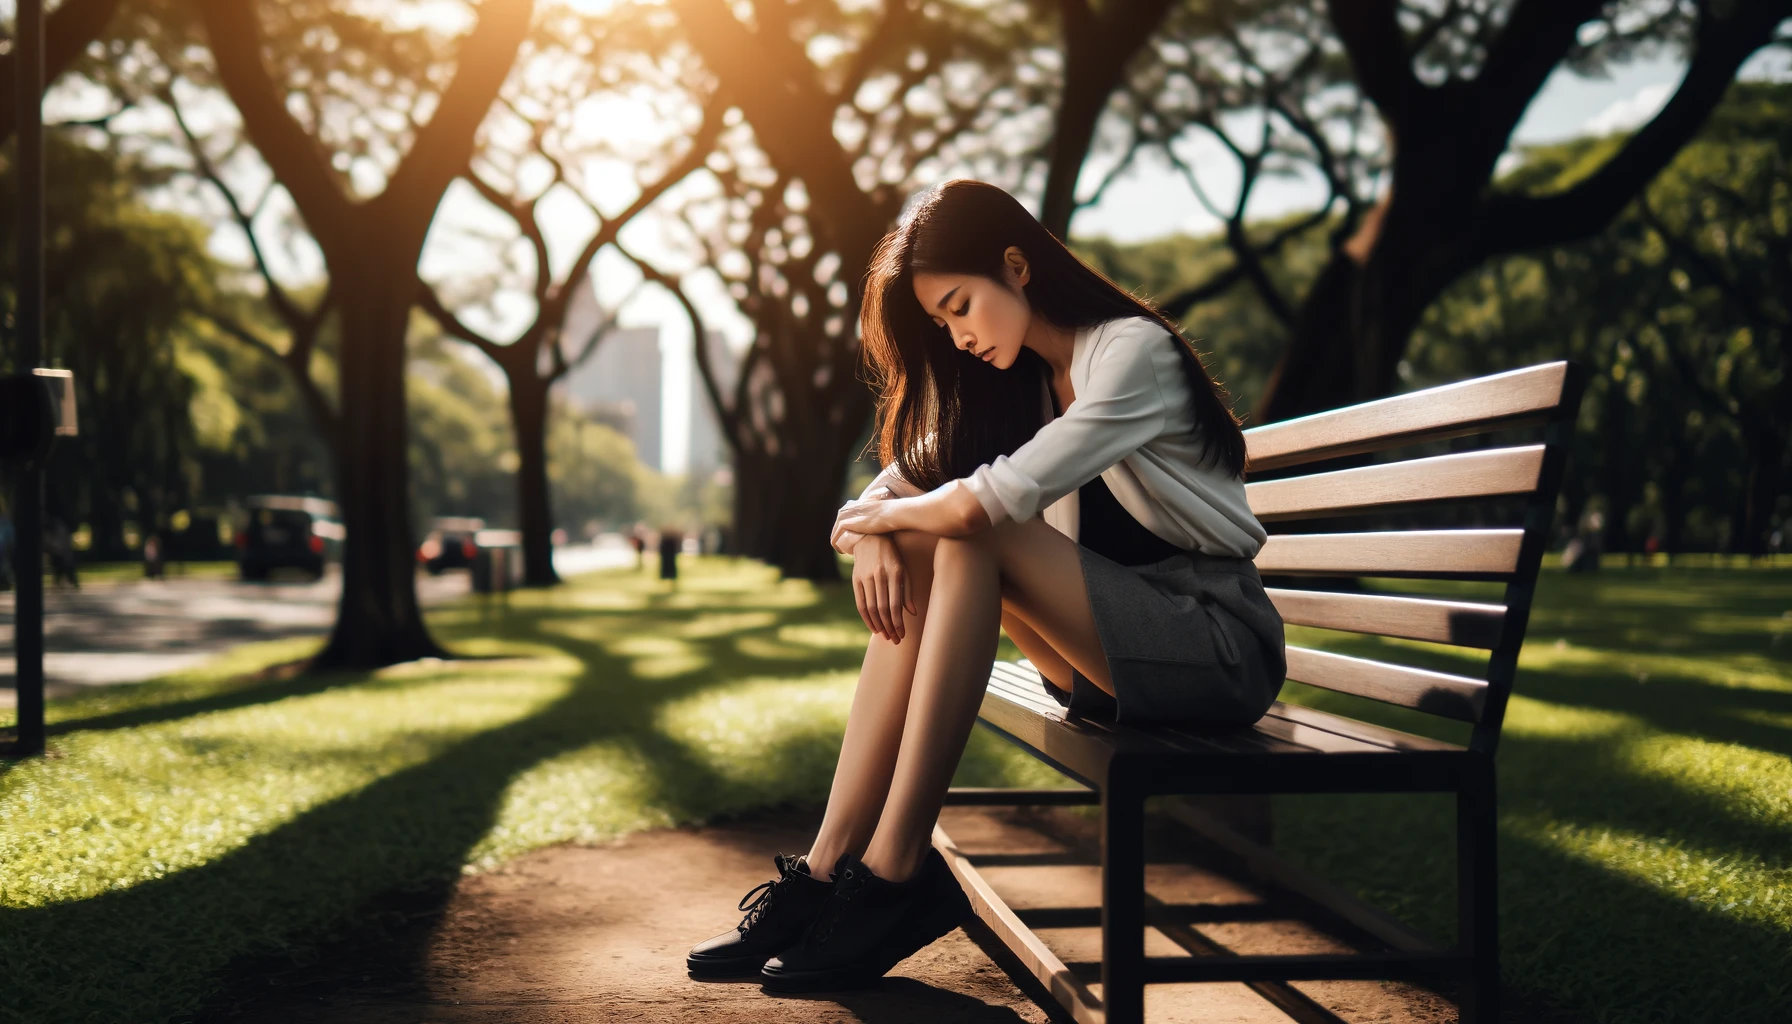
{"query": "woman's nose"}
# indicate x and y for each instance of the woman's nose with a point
(965, 341)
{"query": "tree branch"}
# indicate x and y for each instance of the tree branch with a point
(442, 315)
(244, 218)
(1378, 55)
(1724, 41)
(67, 31)
(445, 145)
(296, 360)
(234, 29)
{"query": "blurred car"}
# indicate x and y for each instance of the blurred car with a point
(451, 544)
(282, 531)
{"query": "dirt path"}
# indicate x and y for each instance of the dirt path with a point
(587, 934)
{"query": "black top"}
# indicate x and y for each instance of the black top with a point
(1105, 526)
(1108, 529)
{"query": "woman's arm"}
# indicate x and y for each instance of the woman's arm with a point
(889, 484)
(950, 510)
(1119, 406)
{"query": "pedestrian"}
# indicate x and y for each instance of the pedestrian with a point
(154, 567)
(59, 545)
(1057, 462)
(6, 549)
(671, 543)
(638, 541)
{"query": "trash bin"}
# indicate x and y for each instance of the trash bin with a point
(497, 561)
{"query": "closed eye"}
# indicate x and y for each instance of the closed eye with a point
(962, 310)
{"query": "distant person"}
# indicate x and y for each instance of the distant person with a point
(671, 543)
(6, 548)
(639, 543)
(59, 545)
(154, 567)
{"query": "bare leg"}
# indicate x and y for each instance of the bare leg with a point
(875, 724)
(1036, 572)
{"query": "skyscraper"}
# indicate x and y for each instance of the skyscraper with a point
(621, 383)
(709, 449)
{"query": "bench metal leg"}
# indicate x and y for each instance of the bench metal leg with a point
(1477, 898)
(1122, 905)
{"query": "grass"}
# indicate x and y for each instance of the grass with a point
(230, 813)
(128, 572)
(186, 824)
(1645, 774)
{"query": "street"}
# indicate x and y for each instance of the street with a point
(107, 633)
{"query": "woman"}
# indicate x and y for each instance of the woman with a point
(1060, 465)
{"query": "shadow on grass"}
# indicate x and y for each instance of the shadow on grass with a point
(169, 946)
(1628, 871)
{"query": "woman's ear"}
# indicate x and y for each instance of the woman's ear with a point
(1016, 263)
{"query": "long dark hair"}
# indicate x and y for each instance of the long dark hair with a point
(940, 413)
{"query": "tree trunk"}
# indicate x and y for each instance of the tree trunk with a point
(784, 510)
(379, 621)
(529, 414)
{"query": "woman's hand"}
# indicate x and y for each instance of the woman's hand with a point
(880, 586)
(950, 510)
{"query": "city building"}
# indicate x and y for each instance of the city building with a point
(709, 449)
(622, 383)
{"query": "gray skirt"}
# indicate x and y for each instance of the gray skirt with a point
(1190, 640)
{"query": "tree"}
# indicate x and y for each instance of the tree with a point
(571, 62)
(368, 204)
(1679, 309)
(1450, 83)
(839, 134)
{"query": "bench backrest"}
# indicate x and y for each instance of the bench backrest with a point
(1526, 477)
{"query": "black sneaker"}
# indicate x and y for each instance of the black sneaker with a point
(868, 926)
(775, 921)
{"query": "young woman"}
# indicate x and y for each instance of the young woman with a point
(1058, 465)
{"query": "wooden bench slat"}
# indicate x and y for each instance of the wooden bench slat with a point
(1014, 681)
(1472, 406)
(1436, 693)
(1461, 623)
(1483, 474)
(1439, 553)
(1391, 739)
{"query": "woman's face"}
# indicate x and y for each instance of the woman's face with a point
(986, 319)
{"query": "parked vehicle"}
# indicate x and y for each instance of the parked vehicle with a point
(282, 531)
(452, 543)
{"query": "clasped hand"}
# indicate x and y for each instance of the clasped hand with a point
(879, 581)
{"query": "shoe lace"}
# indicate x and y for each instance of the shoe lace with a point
(757, 909)
(850, 884)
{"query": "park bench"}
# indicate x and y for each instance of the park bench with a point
(1296, 749)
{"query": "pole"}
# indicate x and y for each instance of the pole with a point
(28, 619)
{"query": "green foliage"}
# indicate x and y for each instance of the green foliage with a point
(463, 462)
(121, 284)
(1681, 312)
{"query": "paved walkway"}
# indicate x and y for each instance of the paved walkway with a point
(109, 633)
(572, 935)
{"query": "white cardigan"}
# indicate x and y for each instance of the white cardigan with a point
(1133, 424)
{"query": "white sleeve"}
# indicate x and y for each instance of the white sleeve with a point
(1117, 411)
(891, 478)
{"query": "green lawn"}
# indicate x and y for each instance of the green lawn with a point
(232, 813)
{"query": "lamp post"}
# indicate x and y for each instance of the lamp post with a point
(28, 615)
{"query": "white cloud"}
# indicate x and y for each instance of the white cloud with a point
(1624, 115)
